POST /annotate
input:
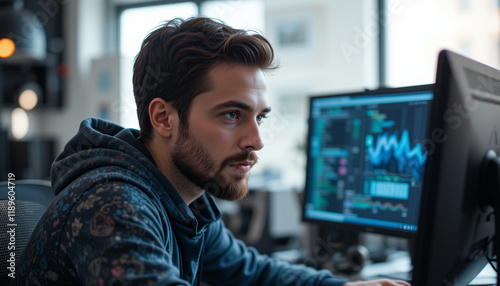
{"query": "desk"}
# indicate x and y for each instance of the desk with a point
(400, 264)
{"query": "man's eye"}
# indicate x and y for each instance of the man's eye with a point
(261, 118)
(231, 115)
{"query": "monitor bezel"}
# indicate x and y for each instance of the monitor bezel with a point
(351, 227)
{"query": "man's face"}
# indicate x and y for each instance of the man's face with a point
(217, 150)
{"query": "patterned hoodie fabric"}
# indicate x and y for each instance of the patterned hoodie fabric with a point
(117, 220)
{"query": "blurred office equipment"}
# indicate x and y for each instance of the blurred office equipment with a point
(31, 52)
(22, 37)
(31, 159)
(32, 76)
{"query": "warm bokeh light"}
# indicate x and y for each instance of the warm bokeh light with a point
(28, 99)
(20, 123)
(7, 48)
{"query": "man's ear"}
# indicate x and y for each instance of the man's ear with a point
(164, 117)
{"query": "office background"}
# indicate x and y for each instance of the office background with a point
(324, 46)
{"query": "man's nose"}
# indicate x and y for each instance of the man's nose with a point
(251, 140)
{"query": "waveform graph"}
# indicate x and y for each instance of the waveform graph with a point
(387, 206)
(376, 206)
(395, 154)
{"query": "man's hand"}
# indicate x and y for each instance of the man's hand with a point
(380, 282)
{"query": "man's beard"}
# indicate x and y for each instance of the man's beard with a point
(194, 161)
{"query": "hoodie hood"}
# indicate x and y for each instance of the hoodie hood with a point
(110, 152)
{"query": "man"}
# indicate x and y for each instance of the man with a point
(132, 208)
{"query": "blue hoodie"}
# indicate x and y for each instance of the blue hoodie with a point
(117, 220)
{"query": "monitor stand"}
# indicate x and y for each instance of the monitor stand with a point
(357, 256)
(397, 267)
(339, 250)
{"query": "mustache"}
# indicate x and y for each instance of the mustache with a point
(249, 156)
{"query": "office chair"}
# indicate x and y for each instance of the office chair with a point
(32, 197)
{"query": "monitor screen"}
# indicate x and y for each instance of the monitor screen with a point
(366, 158)
(457, 220)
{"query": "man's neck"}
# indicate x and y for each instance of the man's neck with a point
(188, 191)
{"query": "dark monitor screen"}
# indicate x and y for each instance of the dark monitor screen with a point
(457, 221)
(366, 158)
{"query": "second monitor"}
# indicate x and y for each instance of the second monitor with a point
(366, 158)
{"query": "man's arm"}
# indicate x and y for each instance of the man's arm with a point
(228, 261)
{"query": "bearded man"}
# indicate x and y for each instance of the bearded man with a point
(136, 207)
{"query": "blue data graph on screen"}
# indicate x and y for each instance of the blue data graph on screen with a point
(396, 155)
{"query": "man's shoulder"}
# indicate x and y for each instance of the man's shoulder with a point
(110, 208)
(108, 193)
(107, 198)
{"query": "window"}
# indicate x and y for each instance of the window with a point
(136, 23)
(464, 4)
(238, 14)
(417, 30)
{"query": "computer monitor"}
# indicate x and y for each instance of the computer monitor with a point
(366, 158)
(456, 228)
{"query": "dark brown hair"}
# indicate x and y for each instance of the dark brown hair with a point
(176, 57)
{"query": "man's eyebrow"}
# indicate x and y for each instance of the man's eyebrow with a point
(240, 105)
